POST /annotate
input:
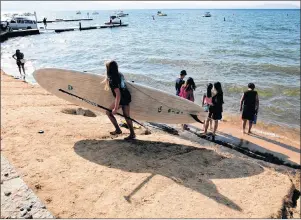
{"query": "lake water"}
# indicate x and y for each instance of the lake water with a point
(259, 46)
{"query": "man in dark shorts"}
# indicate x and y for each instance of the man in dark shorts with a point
(249, 105)
(180, 81)
(19, 57)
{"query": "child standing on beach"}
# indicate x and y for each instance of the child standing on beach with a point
(186, 92)
(216, 109)
(249, 105)
(180, 81)
(207, 101)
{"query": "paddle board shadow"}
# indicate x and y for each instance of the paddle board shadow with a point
(192, 167)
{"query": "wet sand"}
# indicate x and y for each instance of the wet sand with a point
(79, 171)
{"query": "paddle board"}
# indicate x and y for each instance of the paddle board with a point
(148, 104)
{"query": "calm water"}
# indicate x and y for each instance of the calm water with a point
(260, 46)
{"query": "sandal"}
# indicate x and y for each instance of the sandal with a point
(203, 135)
(115, 132)
(130, 137)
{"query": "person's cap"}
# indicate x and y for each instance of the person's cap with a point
(183, 72)
(17, 50)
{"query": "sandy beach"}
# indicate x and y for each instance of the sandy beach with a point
(79, 171)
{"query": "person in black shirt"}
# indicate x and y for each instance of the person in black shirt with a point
(45, 22)
(216, 109)
(19, 57)
(180, 81)
(116, 82)
(249, 105)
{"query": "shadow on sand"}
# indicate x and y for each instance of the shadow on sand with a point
(266, 154)
(288, 147)
(186, 165)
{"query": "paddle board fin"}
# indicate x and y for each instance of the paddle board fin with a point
(196, 118)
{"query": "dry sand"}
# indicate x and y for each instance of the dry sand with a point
(79, 171)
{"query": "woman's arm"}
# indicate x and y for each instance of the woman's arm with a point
(203, 100)
(117, 100)
(242, 101)
(14, 56)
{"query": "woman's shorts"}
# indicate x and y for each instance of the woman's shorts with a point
(215, 115)
(19, 63)
(125, 98)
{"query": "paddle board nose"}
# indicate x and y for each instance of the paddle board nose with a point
(37, 74)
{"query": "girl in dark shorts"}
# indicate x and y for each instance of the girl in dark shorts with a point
(216, 109)
(116, 82)
(207, 102)
(249, 105)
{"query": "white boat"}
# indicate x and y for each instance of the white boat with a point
(78, 12)
(114, 20)
(22, 22)
(207, 14)
(121, 14)
(159, 13)
(95, 13)
(27, 14)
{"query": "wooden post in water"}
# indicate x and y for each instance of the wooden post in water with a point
(80, 26)
(35, 15)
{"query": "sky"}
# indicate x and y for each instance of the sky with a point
(30, 6)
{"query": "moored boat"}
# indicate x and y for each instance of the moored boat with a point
(207, 14)
(159, 13)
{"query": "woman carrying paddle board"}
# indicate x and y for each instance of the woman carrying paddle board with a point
(116, 82)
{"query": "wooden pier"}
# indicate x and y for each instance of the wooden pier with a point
(60, 30)
(113, 25)
(67, 20)
(63, 30)
(18, 33)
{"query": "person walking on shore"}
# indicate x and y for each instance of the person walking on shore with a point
(186, 92)
(249, 105)
(180, 81)
(45, 22)
(216, 109)
(19, 57)
(116, 82)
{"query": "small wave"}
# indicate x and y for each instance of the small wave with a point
(274, 91)
(168, 61)
(293, 92)
(276, 28)
(291, 70)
